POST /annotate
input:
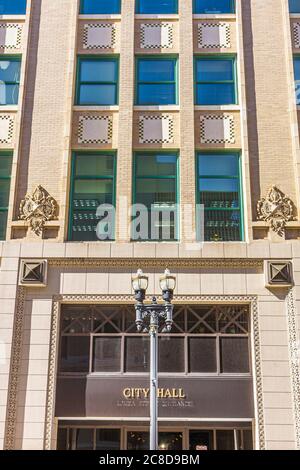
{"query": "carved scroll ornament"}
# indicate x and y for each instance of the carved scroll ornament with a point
(276, 208)
(37, 208)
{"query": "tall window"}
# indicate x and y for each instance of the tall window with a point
(155, 197)
(220, 192)
(156, 6)
(297, 78)
(214, 6)
(156, 81)
(5, 174)
(92, 197)
(294, 6)
(12, 7)
(100, 7)
(97, 81)
(9, 80)
(215, 81)
(207, 339)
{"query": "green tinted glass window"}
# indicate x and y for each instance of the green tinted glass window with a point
(97, 81)
(92, 197)
(220, 194)
(155, 197)
(5, 174)
(9, 80)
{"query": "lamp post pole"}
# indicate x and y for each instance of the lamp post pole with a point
(153, 318)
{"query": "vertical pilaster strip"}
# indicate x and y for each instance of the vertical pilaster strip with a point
(126, 97)
(294, 344)
(50, 406)
(187, 131)
(11, 413)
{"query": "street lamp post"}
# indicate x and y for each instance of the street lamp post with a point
(153, 318)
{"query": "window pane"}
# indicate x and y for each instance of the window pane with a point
(62, 436)
(170, 441)
(9, 94)
(108, 439)
(91, 193)
(137, 354)
(100, 7)
(4, 192)
(98, 70)
(107, 354)
(225, 440)
(157, 192)
(219, 185)
(91, 165)
(3, 223)
(156, 94)
(294, 6)
(215, 94)
(202, 355)
(248, 439)
(170, 354)
(201, 440)
(214, 70)
(156, 165)
(137, 440)
(5, 165)
(12, 7)
(156, 70)
(102, 95)
(75, 353)
(156, 6)
(235, 355)
(214, 6)
(216, 165)
(85, 439)
(10, 70)
(222, 225)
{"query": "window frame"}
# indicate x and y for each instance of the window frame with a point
(138, 6)
(95, 13)
(12, 58)
(123, 335)
(73, 178)
(233, 8)
(163, 57)
(240, 188)
(162, 177)
(98, 58)
(234, 82)
(6, 178)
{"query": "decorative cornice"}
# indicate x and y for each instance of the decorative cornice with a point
(144, 263)
(294, 350)
(16, 350)
(58, 300)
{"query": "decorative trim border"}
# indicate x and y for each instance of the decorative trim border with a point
(58, 300)
(16, 351)
(192, 263)
(294, 344)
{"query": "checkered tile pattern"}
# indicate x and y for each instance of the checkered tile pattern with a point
(216, 129)
(212, 35)
(95, 130)
(99, 36)
(296, 31)
(156, 129)
(156, 36)
(10, 36)
(7, 124)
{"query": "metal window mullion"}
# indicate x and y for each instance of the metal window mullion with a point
(91, 359)
(122, 358)
(218, 352)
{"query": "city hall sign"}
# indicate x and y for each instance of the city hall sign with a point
(133, 393)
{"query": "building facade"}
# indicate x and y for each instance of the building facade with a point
(149, 134)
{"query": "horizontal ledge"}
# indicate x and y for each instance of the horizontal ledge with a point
(157, 108)
(157, 17)
(100, 17)
(25, 223)
(162, 419)
(262, 224)
(234, 107)
(95, 108)
(8, 108)
(207, 16)
(16, 18)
